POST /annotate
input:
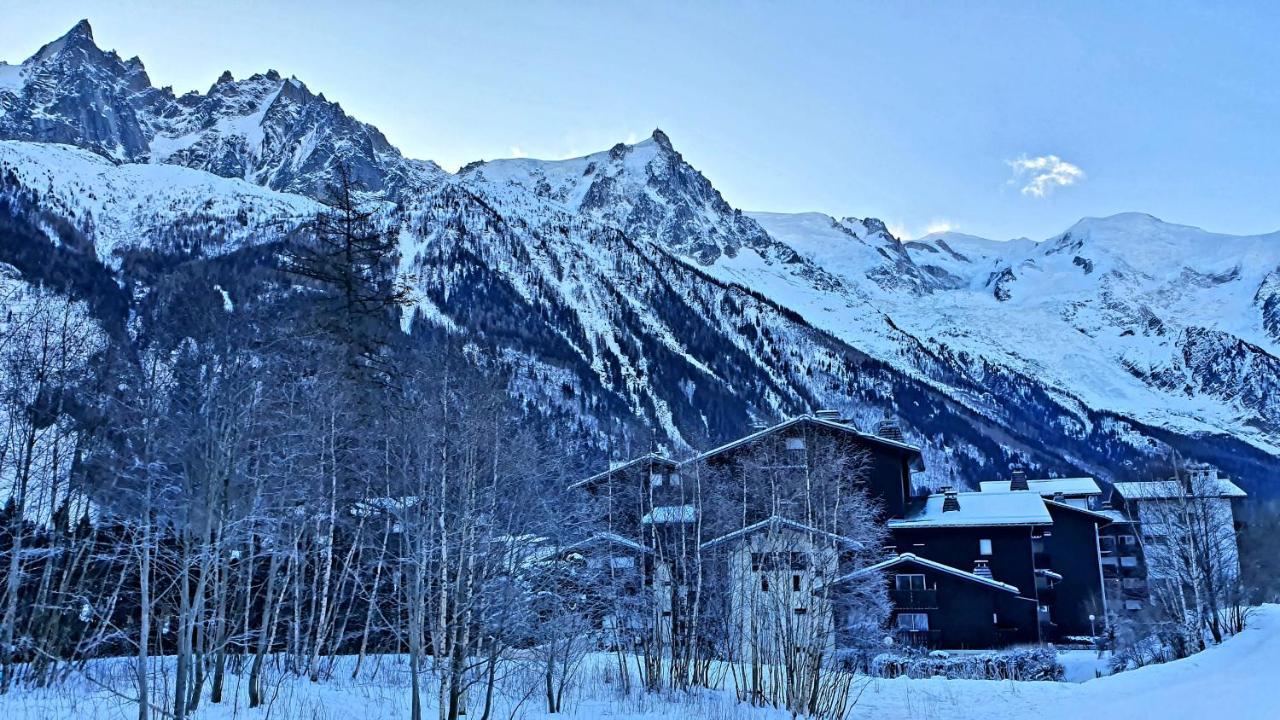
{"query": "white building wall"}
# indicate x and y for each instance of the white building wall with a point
(788, 613)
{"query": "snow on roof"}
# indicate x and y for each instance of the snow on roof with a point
(915, 451)
(610, 538)
(1076, 508)
(977, 509)
(1165, 489)
(773, 525)
(391, 505)
(1114, 516)
(1049, 486)
(670, 514)
(1048, 573)
(618, 467)
(931, 564)
(916, 462)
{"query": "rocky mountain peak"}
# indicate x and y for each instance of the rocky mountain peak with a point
(662, 140)
(79, 37)
(876, 225)
(264, 129)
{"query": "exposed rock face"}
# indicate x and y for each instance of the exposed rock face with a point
(647, 189)
(265, 129)
(71, 92)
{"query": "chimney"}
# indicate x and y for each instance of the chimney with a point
(888, 428)
(981, 569)
(950, 499)
(1018, 480)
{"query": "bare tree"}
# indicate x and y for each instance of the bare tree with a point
(46, 343)
(1189, 541)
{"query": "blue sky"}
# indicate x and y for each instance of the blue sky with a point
(1001, 119)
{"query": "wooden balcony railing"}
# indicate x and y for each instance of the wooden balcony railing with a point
(914, 599)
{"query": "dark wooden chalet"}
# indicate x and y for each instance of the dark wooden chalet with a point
(1070, 579)
(939, 606)
(986, 534)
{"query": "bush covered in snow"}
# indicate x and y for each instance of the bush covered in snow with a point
(1032, 664)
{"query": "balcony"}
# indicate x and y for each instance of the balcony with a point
(919, 638)
(914, 599)
(1134, 588)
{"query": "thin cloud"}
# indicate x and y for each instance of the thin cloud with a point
(902, 231)
(1040, 176)
(939, 226)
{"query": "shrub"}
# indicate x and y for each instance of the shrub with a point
(1029, 664)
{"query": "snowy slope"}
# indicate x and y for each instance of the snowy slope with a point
(136, 205)
(1126, 314)
(646, 189)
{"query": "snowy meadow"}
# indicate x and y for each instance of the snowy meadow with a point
(1223, 681)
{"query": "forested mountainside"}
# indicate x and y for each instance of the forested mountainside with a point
(629, 302)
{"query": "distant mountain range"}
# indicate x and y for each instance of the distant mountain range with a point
(628, 295)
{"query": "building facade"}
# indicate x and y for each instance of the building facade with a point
(1020, 561)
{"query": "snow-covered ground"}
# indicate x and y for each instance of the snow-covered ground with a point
(1235, 680)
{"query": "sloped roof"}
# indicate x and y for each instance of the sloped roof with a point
(670, 514)
(1106, 518)
(917, 462)
(776, 523)
(607, 538)
(648, 457)
(1048, 487)
(1115, 516)
(977, 509)
(932, 565)
(1167, 489)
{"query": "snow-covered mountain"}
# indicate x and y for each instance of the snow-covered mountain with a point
(267, 129)
(626, 293)
(1162, 323)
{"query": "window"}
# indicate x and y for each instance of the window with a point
(673, 480)
(995, 619)
(1128, 540)
(795, 443)
(795, 583)
(984, 546)
(909, 582)
(655, 480)
(1129, 562)
(1132, 604)
(764, 584)
(622, 562)
(1107, 544)
(802, 611)
(913, 621)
